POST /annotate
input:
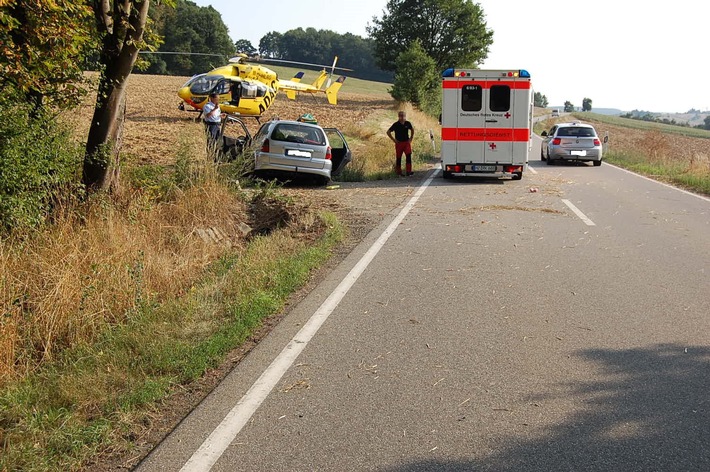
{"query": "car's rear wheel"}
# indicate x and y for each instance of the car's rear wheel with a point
(597, 163)
(542, 155)
(446, 175)
(518, 176)
(549, 160)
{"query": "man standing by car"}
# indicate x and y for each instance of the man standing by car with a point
(213, 117)
(402, 142)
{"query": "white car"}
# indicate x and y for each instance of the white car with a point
(571, 142)
(295, 147)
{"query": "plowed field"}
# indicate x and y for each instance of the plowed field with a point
(154, 124)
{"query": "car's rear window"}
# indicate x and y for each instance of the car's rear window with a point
(295, 133)
(577, 132)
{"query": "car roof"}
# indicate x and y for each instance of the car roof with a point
(294, 122)
(574, 123)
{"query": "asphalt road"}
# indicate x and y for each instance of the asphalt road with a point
(496, 329)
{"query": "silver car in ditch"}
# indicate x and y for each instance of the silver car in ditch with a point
(571, 142)
(294, 147)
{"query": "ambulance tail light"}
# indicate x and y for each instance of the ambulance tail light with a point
(513, 169)
(556, 141)
(597, 142)
(455, 168)
(265, 146)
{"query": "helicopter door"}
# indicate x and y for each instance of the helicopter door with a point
(236, 90)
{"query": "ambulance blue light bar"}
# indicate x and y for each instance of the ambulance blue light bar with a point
(452, 73)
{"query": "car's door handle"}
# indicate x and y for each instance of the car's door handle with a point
(491, 121)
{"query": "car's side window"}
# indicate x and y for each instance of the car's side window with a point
(552, 131)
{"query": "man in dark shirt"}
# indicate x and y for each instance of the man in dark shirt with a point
(402, 142)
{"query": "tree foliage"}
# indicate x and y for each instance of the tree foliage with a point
(417, 79)
(321, 47)
(41, 46)
(568, 107)
(587, 104)
(191, 29)
(245, 46)
(540, 100)
(452, 32)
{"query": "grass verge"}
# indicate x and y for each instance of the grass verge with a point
(669, 172)
(95, 397)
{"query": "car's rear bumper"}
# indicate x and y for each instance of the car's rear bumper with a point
(593, 154)
(292, 169)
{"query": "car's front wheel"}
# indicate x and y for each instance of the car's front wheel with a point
(542, 155)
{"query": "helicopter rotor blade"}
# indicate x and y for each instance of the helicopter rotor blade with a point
(267, 59)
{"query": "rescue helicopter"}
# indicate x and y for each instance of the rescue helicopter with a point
(249, 89)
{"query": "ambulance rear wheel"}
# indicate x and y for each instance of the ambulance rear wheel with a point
(447, 175)
(518, 176)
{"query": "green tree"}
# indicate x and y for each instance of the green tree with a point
(269, 45)
(587, 104)
(121, 26)
(245, 46)
(189, 28)
(417, 79)
(42, 44)
(540, 100)
(452, 32)
(707, 122)
(569, 107)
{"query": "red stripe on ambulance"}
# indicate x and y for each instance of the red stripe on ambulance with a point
(483, 134)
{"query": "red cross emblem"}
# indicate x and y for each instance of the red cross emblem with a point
(492, 146)
(507, 115)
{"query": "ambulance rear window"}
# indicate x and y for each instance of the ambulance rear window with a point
(500, 98)
(471, 98)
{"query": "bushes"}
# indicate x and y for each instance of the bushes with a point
(38, 160)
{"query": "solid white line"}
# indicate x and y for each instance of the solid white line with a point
(531, 169)
(219, 440)
(577, 212)
(658, 182)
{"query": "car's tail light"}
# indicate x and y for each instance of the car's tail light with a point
(597, 142)
(556, 141)
(328, 154)
(265, 146)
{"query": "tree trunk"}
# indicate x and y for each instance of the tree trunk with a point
(122, 25)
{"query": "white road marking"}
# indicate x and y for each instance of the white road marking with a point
(661, 183)
(219, 440)
(577, 212)
(531, 169)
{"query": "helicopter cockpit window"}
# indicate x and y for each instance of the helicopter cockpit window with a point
(223, 87)
(205, 84)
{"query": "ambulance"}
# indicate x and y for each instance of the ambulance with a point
(486, 122)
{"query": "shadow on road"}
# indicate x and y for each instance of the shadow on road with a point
(649, 411)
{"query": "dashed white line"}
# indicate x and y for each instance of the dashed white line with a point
(219, 440)
(577, 212)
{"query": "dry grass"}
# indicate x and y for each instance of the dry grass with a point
(62, 286)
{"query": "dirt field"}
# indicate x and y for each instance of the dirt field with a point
(154, 124)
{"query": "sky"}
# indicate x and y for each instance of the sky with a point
(625, 54)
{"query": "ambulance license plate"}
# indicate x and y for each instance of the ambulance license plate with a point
(484, 168)
(578, 153)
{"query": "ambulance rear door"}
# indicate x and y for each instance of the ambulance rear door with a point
(471, 121)
(499, 105)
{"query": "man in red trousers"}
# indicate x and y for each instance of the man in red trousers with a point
(403, 135)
